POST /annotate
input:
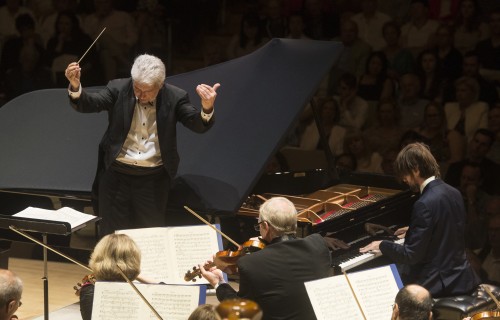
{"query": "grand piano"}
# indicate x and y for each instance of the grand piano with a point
(51, 150)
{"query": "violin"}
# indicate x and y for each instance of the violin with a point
(87, 280)
(228, 258)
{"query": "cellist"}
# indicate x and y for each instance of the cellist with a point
(274, 276)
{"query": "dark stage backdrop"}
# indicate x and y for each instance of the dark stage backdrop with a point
(47, 146)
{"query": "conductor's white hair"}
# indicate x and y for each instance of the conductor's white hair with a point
(149, 70)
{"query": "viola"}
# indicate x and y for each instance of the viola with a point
(227, 259)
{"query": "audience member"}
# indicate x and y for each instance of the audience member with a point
(266, 276)
(353, 109)
(204, 312)
(387, 132)
(330, 116)
(447, 146)
(418, 32)
(432, 83)
(374, 85)
(275, 22)
(443, 11)
(11, 289)
(111, 251)
(467, 113)
(152, 27)
(117, 42)
(488, 50)
(320, 24)
(346, 161)
(8, 15)
(388, 159)
(399, 59)
(46, 25)
(491, 263)
(494, 126)
(469, 26)
(250, 37)
(449, 58)
(396, 9)
(412, 302)
(352, 59)
(411, 104)
(370, 22)
(470, 68)
(296, 27)
(366, 159)
(476, 153)
(66, 45)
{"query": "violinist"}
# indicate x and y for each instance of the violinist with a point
(110, 251)
(274, 276)
(11, 289)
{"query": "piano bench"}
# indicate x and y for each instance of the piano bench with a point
(458, 307)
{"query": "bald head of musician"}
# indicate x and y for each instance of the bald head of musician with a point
(412, 302)
(11, 289)
(277, 218)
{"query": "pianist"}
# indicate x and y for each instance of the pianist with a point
(139, 151)
(274, 276)
(433, 253)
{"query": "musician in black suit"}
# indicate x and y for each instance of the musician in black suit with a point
(139, 149)
(274, 276)
(433, 253)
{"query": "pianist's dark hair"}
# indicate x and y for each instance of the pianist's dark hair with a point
(416, 156)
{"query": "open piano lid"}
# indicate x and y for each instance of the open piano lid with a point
(49, 148)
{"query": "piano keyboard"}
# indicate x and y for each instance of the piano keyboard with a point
(361, 258)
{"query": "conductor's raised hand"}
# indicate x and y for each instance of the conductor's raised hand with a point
(73, 73)
(207, 95)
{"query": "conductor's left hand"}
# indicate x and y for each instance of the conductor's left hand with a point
(207, 95)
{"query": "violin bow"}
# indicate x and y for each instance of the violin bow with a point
(124, 276)
(211, 226)
(488, 291)
(47, 247)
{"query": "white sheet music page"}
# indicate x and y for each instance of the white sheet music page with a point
(118, 300)
(168, 253)
(375, 289)
(73, 217)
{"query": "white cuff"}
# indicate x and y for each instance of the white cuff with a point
(218, 284)
(207, 116)
(75, 94)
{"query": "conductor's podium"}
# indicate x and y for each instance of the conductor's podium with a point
(458, 307)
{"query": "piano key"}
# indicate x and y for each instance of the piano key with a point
(361, 258)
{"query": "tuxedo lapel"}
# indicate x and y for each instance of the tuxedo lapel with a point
(128, 107)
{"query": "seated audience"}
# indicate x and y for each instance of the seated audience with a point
(469, 26)
(488, 50)
(330, 116)
(353, 109)
(374, 84)
(112, 250)
(449, 58)
(467, 113)
(11, 289)
(432, 83)
(399, 59)
(494, 126)
(447, 146)
(479, 146)
(370, 22)
(250, 37)
(366, 159)
(412, 302)
(491, 263)
(411, 104)
(417, 34)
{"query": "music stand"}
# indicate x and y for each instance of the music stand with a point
(44, 227)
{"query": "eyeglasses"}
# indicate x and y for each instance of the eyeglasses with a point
(257, 225)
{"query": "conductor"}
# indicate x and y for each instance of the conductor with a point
(433, 253)
(138, 153)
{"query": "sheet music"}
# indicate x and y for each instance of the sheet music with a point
(332, 298)
(375, 289)
(65, 214)
(168, 253)
(118, 300)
